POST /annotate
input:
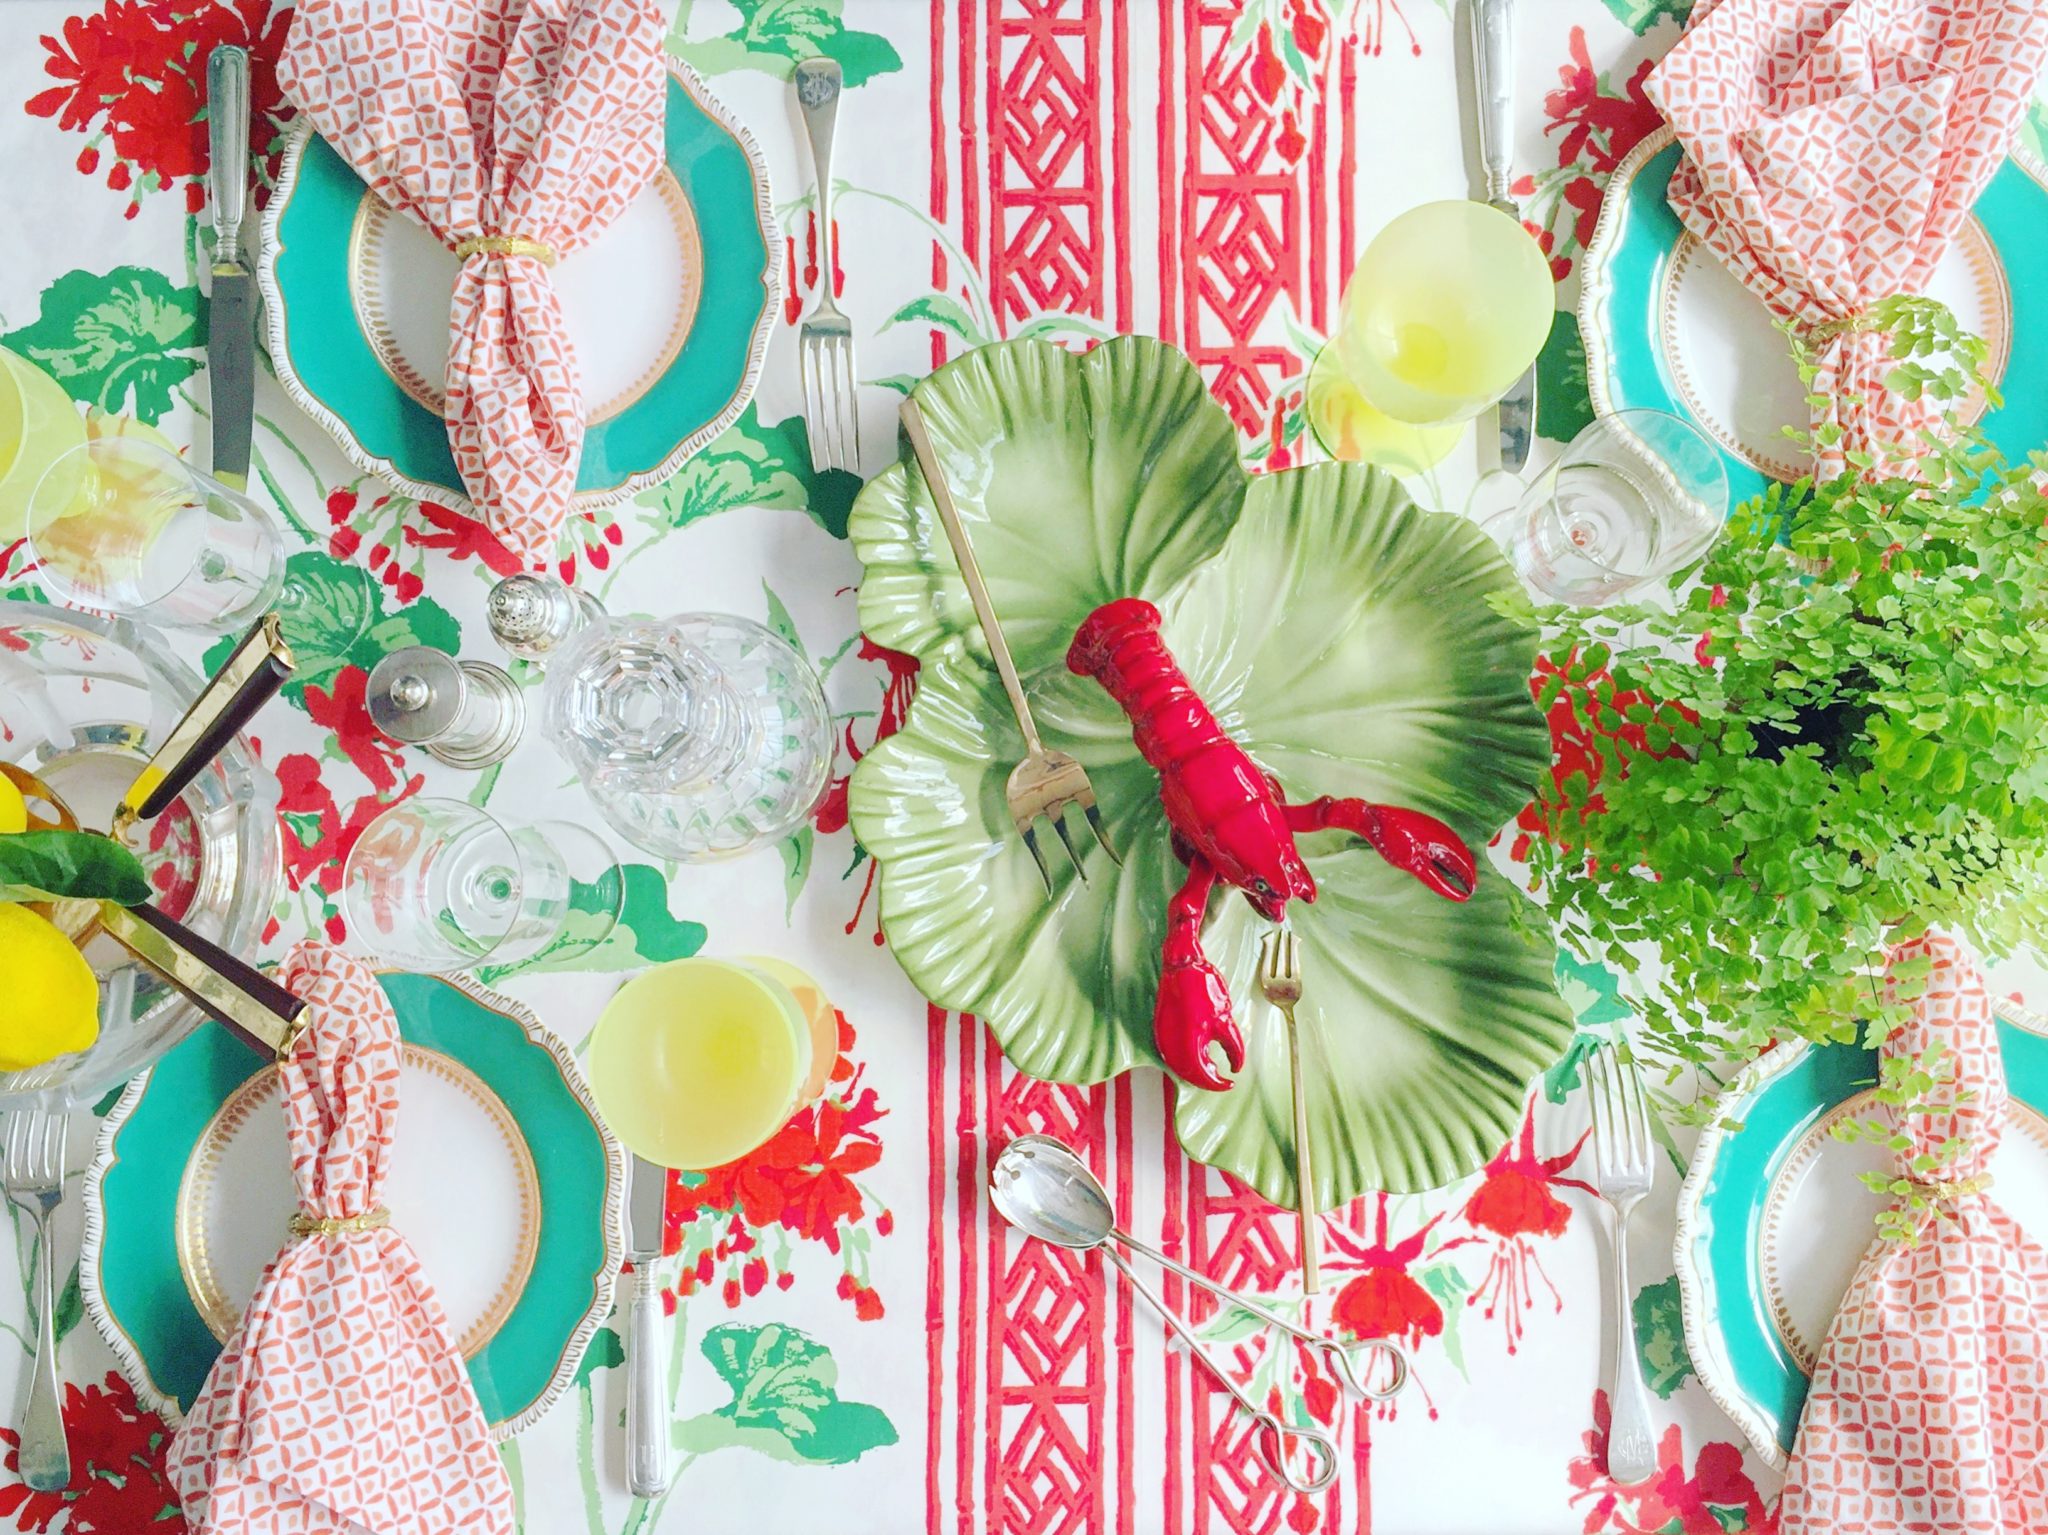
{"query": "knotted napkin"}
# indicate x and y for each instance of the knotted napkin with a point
(1928, 1411)
(515, 131)
(340, 1404)
(1832, 150)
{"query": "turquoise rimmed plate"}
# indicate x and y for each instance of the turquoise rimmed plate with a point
(670, 308)
(502, 1179)
(1667, 328)
(1773, 1218)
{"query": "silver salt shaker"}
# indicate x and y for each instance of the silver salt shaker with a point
(468, 714)
(534, 616)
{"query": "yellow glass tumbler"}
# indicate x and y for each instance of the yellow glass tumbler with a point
(1448, 306)
(697, 1062)
(39, 426)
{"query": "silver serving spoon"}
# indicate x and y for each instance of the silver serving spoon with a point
(1045, 1190)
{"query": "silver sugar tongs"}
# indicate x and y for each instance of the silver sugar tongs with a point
(1044, 1189)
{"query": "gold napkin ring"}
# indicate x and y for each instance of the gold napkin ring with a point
(306, 1224)
(505, 245)
(1821, 332)
(1947, 1193)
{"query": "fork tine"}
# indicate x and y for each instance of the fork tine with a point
(54, 1126)
(13, 1168)
(814, 435)
(1059, 825)
(1291, 949)
(1037, 857)
(1596, 1096)
(1638, 1115)
(1095, 825)
(849, 403)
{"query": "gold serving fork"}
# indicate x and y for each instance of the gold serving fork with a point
(1047, 782)
(1280, 984)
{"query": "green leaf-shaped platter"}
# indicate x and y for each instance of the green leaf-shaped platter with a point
(1339, 633)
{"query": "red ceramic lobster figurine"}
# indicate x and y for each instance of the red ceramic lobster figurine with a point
(1230, 823)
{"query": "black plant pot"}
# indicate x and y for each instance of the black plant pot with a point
(1831, 726)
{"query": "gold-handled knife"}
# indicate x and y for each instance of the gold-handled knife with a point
(253, 1007)
(231, 314)
(249, 679)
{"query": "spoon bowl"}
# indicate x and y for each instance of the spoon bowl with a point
(1046, 1191)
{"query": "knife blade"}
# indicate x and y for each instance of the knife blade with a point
(1493, 24)
(231, 319)
(647, 1415)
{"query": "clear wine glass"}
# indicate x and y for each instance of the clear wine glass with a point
(144, 535)
(122, 525)
(1634, 498)
(440, 885)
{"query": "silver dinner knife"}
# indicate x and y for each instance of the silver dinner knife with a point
(647, 1414)
(1493, 55)
(231, 320)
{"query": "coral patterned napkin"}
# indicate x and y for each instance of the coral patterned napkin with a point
(1929, 1409)
(515, 120)
(340, 1404)
(1833, 149)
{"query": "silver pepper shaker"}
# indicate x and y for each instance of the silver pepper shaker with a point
(468, 714)
(533, 616)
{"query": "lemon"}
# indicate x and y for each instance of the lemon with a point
(13, 808)
(49, 998)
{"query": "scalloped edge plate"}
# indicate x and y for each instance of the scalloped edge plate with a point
(336, 374)
(1636, 260)
(1731, 1294)
(147, 1313)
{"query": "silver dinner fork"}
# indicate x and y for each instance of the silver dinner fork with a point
(1625, 1153)
(33, 1172)
(825, 343)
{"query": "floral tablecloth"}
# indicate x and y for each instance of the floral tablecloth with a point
(865, 1349)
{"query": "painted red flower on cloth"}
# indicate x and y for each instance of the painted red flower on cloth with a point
(1384, 1299)
(118, 1486)
(1588, 738)
(733, 1225)
(1716, 1496)
(1515, 1203)
(1595, 123)
(133, 79)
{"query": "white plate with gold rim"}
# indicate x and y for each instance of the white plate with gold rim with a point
(670, 308)
(1773, 1217)
(502, 1178)
(1667, 327)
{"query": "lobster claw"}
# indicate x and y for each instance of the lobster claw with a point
(1191, 1014)
(1426, 848)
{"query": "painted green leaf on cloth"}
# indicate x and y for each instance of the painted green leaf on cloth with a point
(775, 35)
(1564, 404)
(1593, 993)
(120, 341)
(1641, 15)
(325, 625)
(785, 1401)
(647, 932)
(753, 465)
(1341, 635)
(606, 1352)
(942, 311)
(1660, 1336)
(2033, 135)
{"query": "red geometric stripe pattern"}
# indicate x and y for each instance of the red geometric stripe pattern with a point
(1245, 237)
